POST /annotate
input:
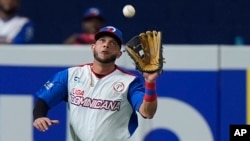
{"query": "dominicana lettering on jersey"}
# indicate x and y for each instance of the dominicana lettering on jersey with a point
(95, 103)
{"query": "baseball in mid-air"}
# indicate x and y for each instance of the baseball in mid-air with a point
(128, 11)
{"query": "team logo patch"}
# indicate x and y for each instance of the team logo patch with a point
(48, 85)
(77, 79)
(111, 29)
(118, 86)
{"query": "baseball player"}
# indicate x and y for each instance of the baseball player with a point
(13, 29)
(102, 98)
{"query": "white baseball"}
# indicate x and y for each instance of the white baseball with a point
(128, 11)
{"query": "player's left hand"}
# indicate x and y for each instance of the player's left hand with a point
(150, 77)
(43, 123)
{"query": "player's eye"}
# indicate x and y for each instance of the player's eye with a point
(102, 40)
(112, 43)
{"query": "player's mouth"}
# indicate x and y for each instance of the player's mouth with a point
(105, 52)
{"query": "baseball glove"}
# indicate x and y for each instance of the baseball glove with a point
(145, 50)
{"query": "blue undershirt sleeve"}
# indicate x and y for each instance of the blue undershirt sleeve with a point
(55, 89)
(136, 93)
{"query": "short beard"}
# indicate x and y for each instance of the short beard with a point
(111, 59)
(10, 12)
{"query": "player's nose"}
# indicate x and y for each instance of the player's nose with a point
(105, 45)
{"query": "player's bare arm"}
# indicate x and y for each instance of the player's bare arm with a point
(149, 104)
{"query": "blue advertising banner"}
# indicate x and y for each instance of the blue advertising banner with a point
(232, 100)
(17, 80)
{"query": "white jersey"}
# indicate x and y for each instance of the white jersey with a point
(16, 30)
(100, 109)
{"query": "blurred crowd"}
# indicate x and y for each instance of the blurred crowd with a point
(92, 21)
(15, 29)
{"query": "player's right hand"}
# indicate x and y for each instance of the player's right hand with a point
(43, 123)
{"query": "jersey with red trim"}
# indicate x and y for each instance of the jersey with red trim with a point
(99, 108)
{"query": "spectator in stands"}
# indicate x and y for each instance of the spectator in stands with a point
(14, 29)
(92, 21)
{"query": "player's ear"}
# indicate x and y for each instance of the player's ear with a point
(92, 47)
(119, 54)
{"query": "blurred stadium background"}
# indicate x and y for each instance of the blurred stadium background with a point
(183, 22)
(205, 86)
